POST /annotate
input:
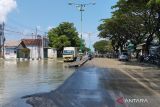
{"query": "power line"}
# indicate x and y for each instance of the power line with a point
(31, 30)
(15, 32)
(20, 25)
(7, 30)
(81, 7)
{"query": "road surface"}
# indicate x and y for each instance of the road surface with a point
(104, 83)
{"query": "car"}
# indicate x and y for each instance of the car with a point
(90, 56)
(123, 56)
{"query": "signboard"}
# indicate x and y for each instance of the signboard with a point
(131, 47)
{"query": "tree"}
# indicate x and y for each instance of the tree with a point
(155, 4)
(103, 46)
(63, 36)
(134, 20)
(121, 28)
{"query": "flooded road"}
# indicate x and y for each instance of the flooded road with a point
(18, 79)
(95, 84)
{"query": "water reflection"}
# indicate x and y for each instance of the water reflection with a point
(23, 78)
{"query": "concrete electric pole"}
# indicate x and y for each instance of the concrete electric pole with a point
(81, 7)
(2, 40)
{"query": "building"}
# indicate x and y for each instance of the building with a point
(48, 51)
(39, 48)
(52, 53)
(141, 49)
(155, 50)
(35, 46)
(15, 49)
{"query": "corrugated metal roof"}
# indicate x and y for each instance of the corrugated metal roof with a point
(32, 42)
(141, 44)
(12, 43)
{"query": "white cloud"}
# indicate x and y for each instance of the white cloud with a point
(6, 6)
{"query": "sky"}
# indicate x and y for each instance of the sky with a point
(24, 16)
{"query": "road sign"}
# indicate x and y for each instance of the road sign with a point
(131, 47)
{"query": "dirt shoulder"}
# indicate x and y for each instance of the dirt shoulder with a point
(114, 63)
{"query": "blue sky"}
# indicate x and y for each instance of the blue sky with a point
(49, 13)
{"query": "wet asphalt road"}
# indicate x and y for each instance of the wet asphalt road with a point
(92, 86)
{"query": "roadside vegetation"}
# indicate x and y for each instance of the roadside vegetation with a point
(134, 20)
(64, 35)
(103, 46)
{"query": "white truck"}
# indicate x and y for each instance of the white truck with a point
(70, 54)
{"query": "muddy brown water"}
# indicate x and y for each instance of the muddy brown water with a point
(18, 79)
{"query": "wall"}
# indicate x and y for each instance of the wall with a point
(10, 53)
(35, 52)
(52, 53)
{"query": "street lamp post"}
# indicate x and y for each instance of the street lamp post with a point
(81, 9)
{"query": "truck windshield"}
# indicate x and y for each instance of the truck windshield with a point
(68, 52)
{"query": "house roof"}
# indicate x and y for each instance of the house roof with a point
(32, 42)
(140, 46)
(12, 43)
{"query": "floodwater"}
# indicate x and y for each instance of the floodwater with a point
(18, 79)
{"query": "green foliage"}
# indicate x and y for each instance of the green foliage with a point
(153, 2)
(64, 35)
(103, 46)
(134, 20)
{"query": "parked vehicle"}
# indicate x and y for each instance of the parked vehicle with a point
(123, 56)
(90, 56)
(70, 54)
(152, 59)
(149, 59)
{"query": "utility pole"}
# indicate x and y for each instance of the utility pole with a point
(89, 37)
(43, 43)
(1, 30)
(81, 7)
(36, 50)
(36, 33)
(2, 40)
(32, 47)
